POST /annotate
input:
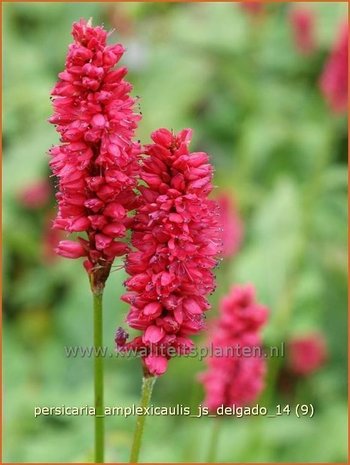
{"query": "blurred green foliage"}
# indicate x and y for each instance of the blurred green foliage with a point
(255, 106)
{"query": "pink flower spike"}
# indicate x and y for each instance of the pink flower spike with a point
(175, 242)
(302, 22)
(234, 377)
(96, 163)
(334, 79)
(231, 225)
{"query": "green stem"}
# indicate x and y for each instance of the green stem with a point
(146, 393)
(214, 439)
(98, 378)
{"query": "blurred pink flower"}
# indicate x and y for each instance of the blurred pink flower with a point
(97, 161)
(303, 22)
(306, 354)
(253, 8)
(334, 79)
(232, 378)
(36, 195)
(176, 241)
(231, 224)
(50, 240)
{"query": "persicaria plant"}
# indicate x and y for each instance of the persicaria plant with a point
(176, 239)
(108, 185)
(97, 161)
(237, 378)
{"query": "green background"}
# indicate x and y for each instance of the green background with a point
(254, 104)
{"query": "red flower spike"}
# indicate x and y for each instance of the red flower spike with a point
(176, 239)
(97, 161)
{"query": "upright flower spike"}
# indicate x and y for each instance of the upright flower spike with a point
(234, 377)
(302, 21)
(97, 161)
(176, 240)
(231, 225)
(334, 79)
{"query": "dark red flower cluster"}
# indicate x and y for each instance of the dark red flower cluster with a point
(236, 369)
(97, 161)
(176, 241)
(334, 79)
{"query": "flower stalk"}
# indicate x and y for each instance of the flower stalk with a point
(146, 394)
(98, 377)
(213, 441)
(96, 167)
